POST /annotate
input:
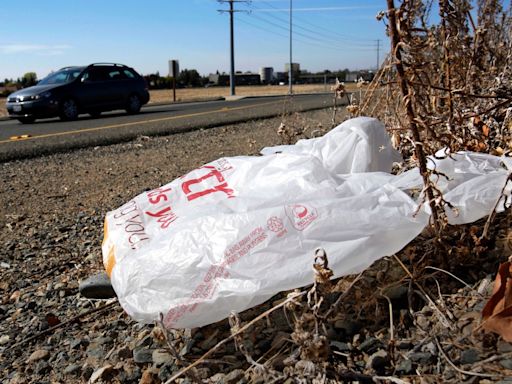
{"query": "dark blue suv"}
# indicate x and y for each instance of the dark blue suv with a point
(71, 91)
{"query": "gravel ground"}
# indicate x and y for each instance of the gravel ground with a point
(52, 219)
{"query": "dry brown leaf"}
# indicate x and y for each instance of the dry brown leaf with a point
(497, 313)
(485, 130)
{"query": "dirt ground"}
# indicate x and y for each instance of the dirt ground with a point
(51, 219)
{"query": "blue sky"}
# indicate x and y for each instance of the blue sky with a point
(44, 35)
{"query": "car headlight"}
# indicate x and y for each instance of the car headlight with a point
(44, 95)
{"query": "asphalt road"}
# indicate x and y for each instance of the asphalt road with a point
(52, 135)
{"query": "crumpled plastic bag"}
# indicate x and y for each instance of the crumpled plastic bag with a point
(357, 145)
(234, 232)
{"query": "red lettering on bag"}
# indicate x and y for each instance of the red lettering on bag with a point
(158, 195)
(165, 216)
(222, 187)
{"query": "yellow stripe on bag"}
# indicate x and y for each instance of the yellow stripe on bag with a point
(110, 261)
(105, 231)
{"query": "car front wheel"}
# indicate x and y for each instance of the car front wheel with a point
(133, 105)
(68, 110)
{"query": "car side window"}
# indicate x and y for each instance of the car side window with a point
(115, 74)
(94, 74)
(129, 74)
(59, 78)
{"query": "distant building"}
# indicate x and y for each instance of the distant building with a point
(281, 77)
(266, 75)
(295, 68)
(240, 79)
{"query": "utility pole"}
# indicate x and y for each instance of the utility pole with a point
(232, 40)
(290, 71)
(378, 51)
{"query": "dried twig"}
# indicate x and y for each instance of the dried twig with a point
(391, 326)
(492, 215)
(464, 372)
(455, 277)
(232, 336)
(440, 314)
(396, 47)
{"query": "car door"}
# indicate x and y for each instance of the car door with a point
(116, 86)
(93, 93)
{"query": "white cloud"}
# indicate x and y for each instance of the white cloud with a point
(41, 49)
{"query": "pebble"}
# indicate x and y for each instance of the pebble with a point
(72, 369)
(396, 292)
(234, 376)
(161, 357)
(422, 358)
(504, 347)
(506, 363)
(42, 367)
(142, 355)
(340, 346)
(469, 356)
(97, 287)
(37, 355)
(95, 351)
(405, 367)
(166, 371)
(78, 343)
(100, 373)
(370, 345)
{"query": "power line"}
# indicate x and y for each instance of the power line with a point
(316, 26)
(309, 31)
(314, 41)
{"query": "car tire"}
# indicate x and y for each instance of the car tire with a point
(68, 110)
(133, 105)
(26, 120)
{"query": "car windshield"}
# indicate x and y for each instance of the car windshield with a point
(62, 76)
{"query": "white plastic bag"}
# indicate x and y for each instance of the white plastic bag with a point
(357, 145)
(231, 234)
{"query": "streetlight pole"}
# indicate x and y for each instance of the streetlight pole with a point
(232, 71)
(290, 72)
(231, 12)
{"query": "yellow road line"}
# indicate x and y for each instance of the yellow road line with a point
(138, 122)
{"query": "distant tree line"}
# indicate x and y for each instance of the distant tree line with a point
(187, 78)
(9, 85)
